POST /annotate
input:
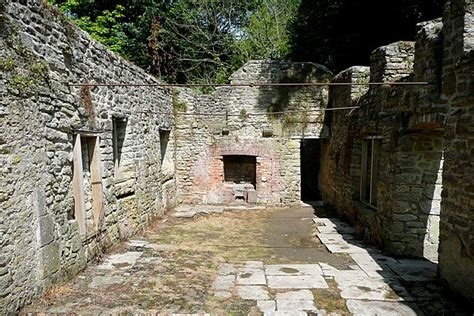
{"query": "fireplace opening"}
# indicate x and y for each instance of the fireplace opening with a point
(240, 169)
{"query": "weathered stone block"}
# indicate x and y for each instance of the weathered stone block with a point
(50, 259)
(252, 196)
(46, 230)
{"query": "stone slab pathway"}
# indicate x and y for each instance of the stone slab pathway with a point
(271, 262)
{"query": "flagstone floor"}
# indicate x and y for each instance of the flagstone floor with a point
(292, 261)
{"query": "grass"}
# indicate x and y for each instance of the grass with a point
(177, 273)
(330, 299)
(54, 292)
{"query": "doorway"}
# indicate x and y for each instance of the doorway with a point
(310, 152)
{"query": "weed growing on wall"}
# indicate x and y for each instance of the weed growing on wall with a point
(178, 106)
(86, 99)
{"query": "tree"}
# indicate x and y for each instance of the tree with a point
(343, 33)
(187, 40)
(198, 36)
(265, 34)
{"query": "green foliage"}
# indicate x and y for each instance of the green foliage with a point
(39, 70)
(343, 33)
(178, 106)
(7, 64)
(24, 52)
(200, 41)
(21, 84)
(106, 27)
(264, 35)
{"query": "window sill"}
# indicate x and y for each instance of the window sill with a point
(364, 206)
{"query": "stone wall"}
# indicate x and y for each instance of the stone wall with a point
(424, 189)
(456, 255)
(246, 121)
(40, 118)
(398, 121)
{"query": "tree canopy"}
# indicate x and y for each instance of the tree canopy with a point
(187, 40)
(204, 41)
(343, 33)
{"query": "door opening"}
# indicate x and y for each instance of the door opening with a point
(310, 151)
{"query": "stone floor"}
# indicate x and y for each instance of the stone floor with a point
(276, 262)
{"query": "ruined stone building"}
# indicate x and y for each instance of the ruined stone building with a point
(85, 167)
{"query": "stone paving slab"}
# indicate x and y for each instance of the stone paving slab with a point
(295, 295)
(253, 292)
(266, 305)
(379, 308)
(346, 248)
(330, 271)
(187, 211)
(227, 269)
(253, 265)
(223, 295)
(224, 282)
(286, 313)
(332, 226)
(250, 276)
(295, 305)
(333, 238)
(414, 270)
(366, 288)
(170, 271)
(105, 280)
(374, 265)
(297, 282)
(293, 269)
(120, 261)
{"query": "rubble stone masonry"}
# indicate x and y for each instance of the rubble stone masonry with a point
(40, 118)
(456, 255)
(245, 121)
(425, 157)
(83, 167)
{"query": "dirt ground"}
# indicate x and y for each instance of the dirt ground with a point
(174, 265)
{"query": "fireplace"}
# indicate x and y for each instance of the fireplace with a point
(240, 177)
(240, 169)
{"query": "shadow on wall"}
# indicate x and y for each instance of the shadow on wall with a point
(380, 173)
(301, 125)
